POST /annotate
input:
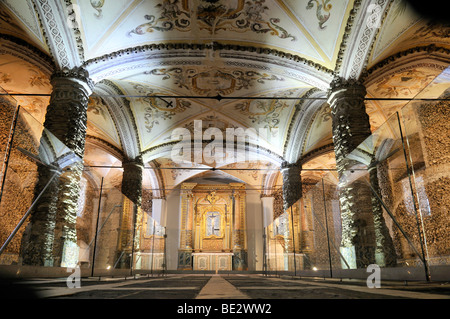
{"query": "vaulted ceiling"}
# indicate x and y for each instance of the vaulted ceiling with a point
(216, 57)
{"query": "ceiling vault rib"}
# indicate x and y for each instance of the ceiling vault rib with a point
(305, 32)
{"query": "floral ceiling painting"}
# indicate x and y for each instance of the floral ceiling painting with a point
(214, 16)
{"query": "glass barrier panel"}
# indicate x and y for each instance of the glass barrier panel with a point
(40, 166)
(333, 221)
(315, 240)
(425, 125)
(126, 239)
(150, 245)
(376, 194)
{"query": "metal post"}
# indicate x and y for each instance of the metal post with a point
(8, 155)
(264, 240)
(153, 245)
(233, 223)
(326, 226)
(135, 208)
(276, 255)
(268, 249)
(293, 242)
(165, 258)
(96, 227)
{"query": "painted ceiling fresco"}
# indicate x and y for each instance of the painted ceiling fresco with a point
(19, 19)
(312, 31)
(308, 28)
(16, 73)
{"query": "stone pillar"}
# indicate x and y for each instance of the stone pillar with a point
(186, 231)
(239, 227)
(132, 180)
(292, 183)
(52, 227)
(365, 237)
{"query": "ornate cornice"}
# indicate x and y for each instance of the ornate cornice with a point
(128, 59)
(78, 73)
(108, 147)
(55, 28)
(298, 107)
(159, 149)
(124, 121)
(25, 51)
(316, 153)
(216, 46)
(272, 52)
(348, 28)
(75, 29)
(427, 51)
(358, 38)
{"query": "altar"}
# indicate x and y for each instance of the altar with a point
(212, 234)
(213, 261)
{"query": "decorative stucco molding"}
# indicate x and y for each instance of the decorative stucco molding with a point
(58, 35)
(122, 116)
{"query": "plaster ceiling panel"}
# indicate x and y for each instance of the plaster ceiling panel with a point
(251, 172)
(263, 23)
(207, 120)
(100, 123)
(399, 20)
(210, 78)
(18, 76)
(320, 130)
(319, 166)
(155, 116)
(111, 171)
(438, 86)
(99, 19)
(174, 174)
(19, 19)
(322, 23)
(270, 119)
(404, 83)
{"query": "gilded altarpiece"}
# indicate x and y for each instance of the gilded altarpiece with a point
(212, 225)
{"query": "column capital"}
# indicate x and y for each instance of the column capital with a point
(135, 162)
(77, 74)
(287, 166)
(341, 89)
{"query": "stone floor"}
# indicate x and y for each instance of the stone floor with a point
(233, 286)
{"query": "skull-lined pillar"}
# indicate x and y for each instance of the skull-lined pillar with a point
(239, 226)
(292, 183)
(187, 227)
(52, 238)
(365, 237)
